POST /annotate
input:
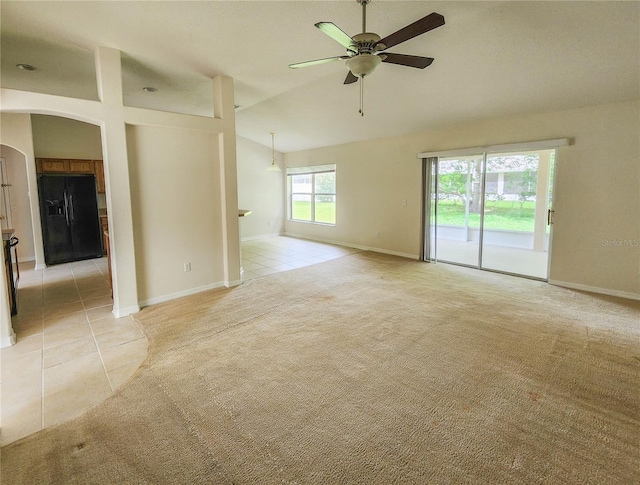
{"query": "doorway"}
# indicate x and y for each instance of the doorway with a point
(491, 210)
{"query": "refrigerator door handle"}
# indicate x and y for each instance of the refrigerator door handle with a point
(71, 208)
(66, 208)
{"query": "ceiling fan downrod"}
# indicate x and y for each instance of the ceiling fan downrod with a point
(364, 14)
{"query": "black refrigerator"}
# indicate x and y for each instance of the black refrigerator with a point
(70, 220)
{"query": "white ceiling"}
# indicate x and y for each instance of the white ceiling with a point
(492, 59)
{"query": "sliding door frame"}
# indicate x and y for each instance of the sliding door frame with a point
(428, 166)
(432, 159)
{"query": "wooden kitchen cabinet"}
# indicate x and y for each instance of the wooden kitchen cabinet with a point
(81, 166)
(61, 165)
(98, 167)
(52, 165)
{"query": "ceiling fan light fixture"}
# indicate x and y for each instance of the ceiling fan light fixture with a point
(363, 64)
(365, 51)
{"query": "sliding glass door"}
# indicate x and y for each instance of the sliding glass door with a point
(491, 211)
(457, 209)
(517, 196)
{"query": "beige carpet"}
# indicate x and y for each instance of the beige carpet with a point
(367, 369)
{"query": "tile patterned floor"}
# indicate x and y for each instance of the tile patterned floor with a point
(72, 353)
(262, 257)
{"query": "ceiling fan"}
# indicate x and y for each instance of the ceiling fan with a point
(367, 50)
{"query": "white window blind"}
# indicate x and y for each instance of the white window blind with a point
(311, 169)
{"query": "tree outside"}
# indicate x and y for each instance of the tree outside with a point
(511, 185)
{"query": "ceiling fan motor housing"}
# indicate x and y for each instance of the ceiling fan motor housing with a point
(365, 61)
(367, 43)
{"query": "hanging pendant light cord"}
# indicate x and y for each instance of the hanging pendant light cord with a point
(273, 148)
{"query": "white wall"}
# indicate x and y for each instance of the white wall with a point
(113, 119)
(16, 164)
(176, 210)
(372, 180)
(260, 191)
(17, 133)
(597, 196)
(56, 137)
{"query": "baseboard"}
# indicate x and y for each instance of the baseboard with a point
(231, 284)
(26, 259)
(263, 236)
(394, 253)
(596, 289)
(40, 266)
(126, 311)
(180, 294)
(8, 340)
(354, 246)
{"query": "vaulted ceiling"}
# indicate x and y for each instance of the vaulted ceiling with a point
(492, 59)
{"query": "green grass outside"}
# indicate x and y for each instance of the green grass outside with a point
(325, 211)
(497, 216)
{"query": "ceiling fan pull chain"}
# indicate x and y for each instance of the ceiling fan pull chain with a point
(361, 96)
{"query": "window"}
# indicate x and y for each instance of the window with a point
(312, 194)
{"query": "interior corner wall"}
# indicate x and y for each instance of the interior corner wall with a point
(597, 194)
(176, 211)
(17, 133)
(57, 137)
(259, 190)
(16, 164)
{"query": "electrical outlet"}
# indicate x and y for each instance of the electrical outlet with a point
(187, 267)
(404, 202)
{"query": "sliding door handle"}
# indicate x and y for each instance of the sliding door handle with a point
(550, 214)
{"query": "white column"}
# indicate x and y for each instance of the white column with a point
(223, 108)
(116, 168)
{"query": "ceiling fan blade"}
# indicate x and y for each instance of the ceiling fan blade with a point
(415, 29)
(333, 31)
(350, 78)
(317, 61)
(407, 60)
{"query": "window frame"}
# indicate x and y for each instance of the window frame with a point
(312, 171)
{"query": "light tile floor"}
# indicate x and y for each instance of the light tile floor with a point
(72, 353)
(262, 257)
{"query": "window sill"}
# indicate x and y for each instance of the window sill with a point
(312, 222)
